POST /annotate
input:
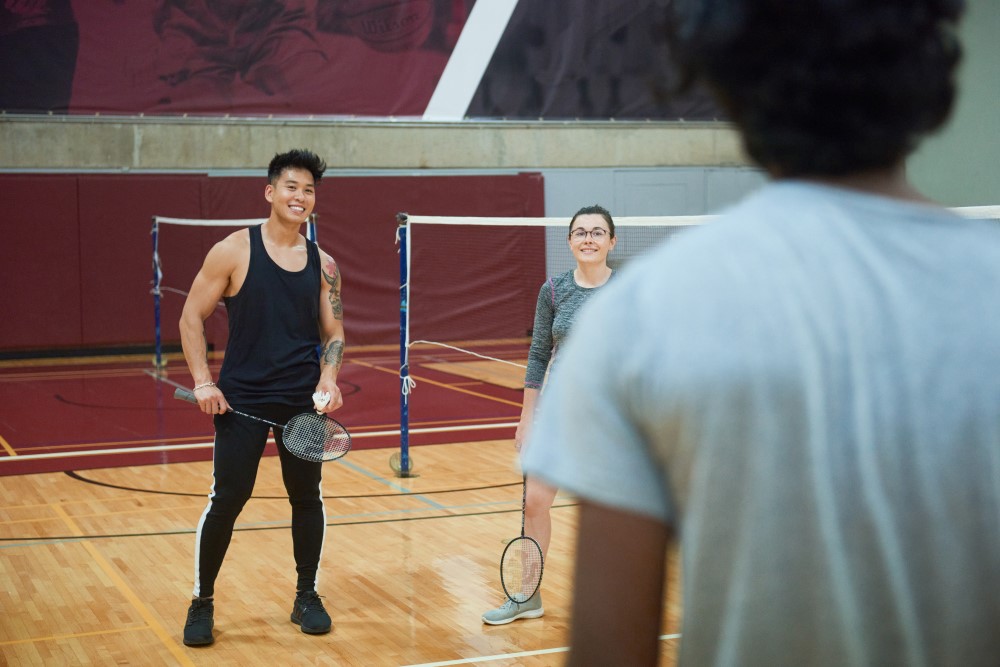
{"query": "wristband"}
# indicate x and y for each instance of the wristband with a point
(203, 385)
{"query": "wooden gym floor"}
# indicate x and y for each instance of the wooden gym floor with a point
(97, 562)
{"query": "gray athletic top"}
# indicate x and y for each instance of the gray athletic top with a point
(559, 299)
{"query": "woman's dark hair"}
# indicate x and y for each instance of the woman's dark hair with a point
(824, 87)
(296, 159)
(596, 209)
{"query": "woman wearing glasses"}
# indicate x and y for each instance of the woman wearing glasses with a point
(591, 238)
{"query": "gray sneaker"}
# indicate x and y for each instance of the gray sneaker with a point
(511, 611)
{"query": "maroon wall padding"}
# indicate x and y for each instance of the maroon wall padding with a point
(357, 227)
(83, 277)
(40, 297)
(228, 197)
(474, 283)
(116, 252)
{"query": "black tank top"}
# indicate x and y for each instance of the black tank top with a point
(271, 355)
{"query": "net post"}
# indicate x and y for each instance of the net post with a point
(311, 228)
(404, 369)
(159, 365)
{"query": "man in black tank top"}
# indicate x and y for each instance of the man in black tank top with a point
(282, 295)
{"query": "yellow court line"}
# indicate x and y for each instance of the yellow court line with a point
(74, 635)
(6, 446)
(130, 595)
(394, 371)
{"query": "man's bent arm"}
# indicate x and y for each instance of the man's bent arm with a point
(331, 324)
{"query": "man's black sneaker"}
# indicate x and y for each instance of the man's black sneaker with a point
(200, 620)
(308, 613)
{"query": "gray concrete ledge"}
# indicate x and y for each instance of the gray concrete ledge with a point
(32, 142)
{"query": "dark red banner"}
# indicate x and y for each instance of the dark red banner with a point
(559, 59)
(258, 57)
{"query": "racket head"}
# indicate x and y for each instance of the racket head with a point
(521, 569)
(316, 437)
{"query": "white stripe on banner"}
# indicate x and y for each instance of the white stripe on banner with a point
(469, 60)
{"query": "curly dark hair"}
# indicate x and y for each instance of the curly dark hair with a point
(296, 159)
(824, 87)
(595, 209)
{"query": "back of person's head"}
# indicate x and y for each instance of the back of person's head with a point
(824, 87)
(595, 209)
(296, 159)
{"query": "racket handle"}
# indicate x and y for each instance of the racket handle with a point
(182, 394)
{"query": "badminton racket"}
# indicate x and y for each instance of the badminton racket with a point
(309, 436)
(522, 562)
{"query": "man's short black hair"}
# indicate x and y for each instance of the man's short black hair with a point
(824, 87)
(296, 159)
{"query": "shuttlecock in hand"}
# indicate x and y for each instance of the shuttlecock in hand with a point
(320, 399)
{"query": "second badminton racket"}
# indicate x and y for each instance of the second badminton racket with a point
(522, 562)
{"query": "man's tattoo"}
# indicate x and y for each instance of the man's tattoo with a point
(331, 274)
(334, 353)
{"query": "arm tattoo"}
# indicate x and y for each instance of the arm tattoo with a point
(333, 353)
(331, 274)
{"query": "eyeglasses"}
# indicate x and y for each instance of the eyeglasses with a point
(597, 233)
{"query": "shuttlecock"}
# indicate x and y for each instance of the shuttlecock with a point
(320, 399)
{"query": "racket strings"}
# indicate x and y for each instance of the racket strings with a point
(521, 569)
(316, 438)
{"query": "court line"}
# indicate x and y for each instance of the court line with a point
(47, 376)
(65, 448)
(130, 595)
(392, 485)
(143, 359)
(20, 542)
(509, 656)
(7, 447)
(74, 635)
(76, 475)
(106, 446)
(208, 445)
(395, 371)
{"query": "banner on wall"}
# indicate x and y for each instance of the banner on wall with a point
(414, 59)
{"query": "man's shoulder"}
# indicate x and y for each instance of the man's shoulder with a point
(238, 239)
(231, 249)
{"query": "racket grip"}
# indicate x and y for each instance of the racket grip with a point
(182, 394)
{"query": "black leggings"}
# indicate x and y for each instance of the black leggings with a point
(239, 444)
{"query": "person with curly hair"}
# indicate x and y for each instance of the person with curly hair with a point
(806, 390)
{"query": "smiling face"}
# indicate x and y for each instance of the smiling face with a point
(292, 195)
(592, 247)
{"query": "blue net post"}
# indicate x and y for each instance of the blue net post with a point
(404, 368)
(311, 228)
(311, 236)
(158, 364)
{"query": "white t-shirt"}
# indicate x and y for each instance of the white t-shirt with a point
(808, 390)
